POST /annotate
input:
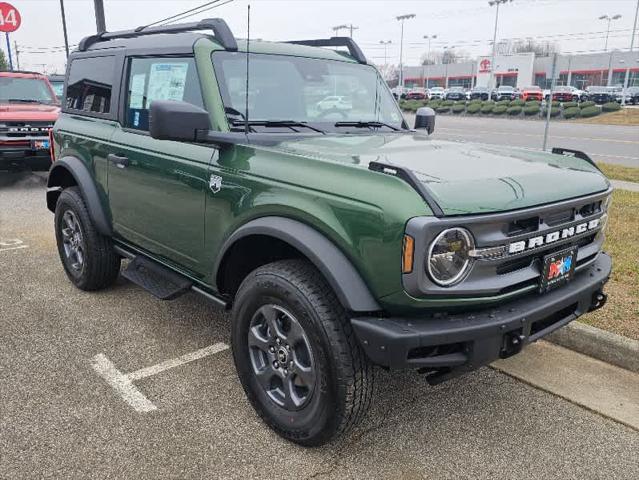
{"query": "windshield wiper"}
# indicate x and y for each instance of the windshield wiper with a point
(371, 124)
(292, 124)
(24, 100)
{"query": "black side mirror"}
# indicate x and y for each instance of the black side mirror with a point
(180, 121)
(425, 118)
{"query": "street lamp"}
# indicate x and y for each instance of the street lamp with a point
(632, 44)
(447, 58)
(494, 3)
(401, 19)
(608, 19)
(349, 27)
(386, 43)
(429, 38)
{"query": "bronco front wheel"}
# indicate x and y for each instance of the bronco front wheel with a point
(296, 354)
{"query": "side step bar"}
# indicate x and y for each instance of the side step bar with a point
(161, 281)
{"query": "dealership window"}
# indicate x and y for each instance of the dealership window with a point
(460, 82)
(435, 82)
(90, 83)
(152, 79)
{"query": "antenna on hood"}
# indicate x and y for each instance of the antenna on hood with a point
(248, 40)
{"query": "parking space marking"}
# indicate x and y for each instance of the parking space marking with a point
(123, 382)
(12, 244)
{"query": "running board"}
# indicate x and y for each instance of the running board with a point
(163, 283)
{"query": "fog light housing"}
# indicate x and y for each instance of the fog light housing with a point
(449, 261)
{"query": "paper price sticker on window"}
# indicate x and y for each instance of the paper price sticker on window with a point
(167, 81)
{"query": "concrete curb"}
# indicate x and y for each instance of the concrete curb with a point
(594, 342)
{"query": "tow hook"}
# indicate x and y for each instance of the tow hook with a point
(512, 344)
(599, 299)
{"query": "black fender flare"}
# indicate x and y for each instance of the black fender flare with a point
(85, 182)
(350, 288)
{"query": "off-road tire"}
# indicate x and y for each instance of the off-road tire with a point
(101, 264)
(344, 380)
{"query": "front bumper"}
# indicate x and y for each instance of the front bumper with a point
(21, 154)
(450, 344)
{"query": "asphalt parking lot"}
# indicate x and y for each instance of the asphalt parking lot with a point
(604, 143)
(60, 418)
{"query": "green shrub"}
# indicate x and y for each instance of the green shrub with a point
(514, 110)
(487, 108)
(448, 103)
(611, 107)
(554, 111)
(443, 109)
(476, 100)
(570, 105)
(499, 109)
(458, 108)
(487, 102)
(473, 108)
(434, 104)
(572, 112)
(532, 103)
(590, 111)
(501, 103)
(587, 104)
(531, 110)
(517, 103)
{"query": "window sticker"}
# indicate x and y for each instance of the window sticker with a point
(167, 81)
(136, 96)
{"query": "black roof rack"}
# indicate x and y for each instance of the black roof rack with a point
(347, 42)
(219, 27)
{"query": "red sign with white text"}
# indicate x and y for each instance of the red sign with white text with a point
(10, 19)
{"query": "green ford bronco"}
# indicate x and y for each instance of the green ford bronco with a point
(281, 181)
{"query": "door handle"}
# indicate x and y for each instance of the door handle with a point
(118, 160)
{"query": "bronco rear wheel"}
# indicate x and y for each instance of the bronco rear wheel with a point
(296, 354)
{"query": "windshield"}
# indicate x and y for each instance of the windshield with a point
(31, 90)
(308, 90)
(58, 87)
(506, 89)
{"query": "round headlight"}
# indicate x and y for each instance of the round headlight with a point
(448, 256)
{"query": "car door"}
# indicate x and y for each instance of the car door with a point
(157, 187)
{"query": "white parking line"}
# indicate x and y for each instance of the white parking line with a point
(123, 382)
(12, 244)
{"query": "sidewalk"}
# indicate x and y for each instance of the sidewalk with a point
(621, 185)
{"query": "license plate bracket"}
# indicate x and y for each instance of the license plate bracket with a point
(558, 268)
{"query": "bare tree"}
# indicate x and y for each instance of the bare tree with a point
(540, 49)
(3, 61)
(445, 56)
(390, 73)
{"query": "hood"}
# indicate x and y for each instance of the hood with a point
(464, 178)
(34, 112)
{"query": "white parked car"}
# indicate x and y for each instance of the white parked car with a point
(335, 102)
(436, 92)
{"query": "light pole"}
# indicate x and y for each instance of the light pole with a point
(632, 45)
(609, 19)
(447, 61)
(429, 38)
(349, 27)
(386, 43)
(494, 3)
(401, 19)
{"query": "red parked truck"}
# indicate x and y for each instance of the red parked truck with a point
(532, 93)
(28, 110)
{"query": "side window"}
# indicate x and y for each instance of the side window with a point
(90, 84)
(159, 79)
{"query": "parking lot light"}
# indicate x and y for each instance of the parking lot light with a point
(609, 19)
(429, 38)
(401, 19)
(386, 43)
(495, 3)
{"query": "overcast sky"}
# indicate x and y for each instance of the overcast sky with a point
(464, 24)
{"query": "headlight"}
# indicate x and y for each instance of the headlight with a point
(448, 258)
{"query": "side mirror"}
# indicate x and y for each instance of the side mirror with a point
(425, 118)
(179, 121)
